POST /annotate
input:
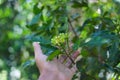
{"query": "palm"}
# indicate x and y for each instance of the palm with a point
(52, 67)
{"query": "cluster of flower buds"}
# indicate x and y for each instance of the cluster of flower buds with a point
(60, 39)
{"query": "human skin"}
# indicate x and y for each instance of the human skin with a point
(52, 70)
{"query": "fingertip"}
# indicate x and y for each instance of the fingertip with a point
(36, 43)
(37, 47)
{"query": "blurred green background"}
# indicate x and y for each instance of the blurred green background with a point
(15, 49)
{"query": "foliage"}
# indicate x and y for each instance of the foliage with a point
(15, 49)
(61, 27)
(93, 27)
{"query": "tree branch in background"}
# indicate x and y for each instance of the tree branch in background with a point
(70, 23)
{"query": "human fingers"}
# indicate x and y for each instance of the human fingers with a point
(69, 63)
(62, 58)
(75, 54)
(40, 58)
(73, 69)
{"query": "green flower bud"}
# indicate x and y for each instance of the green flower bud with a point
(60, 39)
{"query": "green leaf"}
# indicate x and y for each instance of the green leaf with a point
(48, 49)
(92, 21)
(34, 21)
(28, 63)
(37, 8)
(81, 3)
(108, 24)
(85, 53)
(99, 38)
(37, 38)
(54, 54)
(76, 44)
(45, 15)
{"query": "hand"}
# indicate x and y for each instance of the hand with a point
(53, 70)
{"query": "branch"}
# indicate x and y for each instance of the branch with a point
(69, 56)
(72, 28)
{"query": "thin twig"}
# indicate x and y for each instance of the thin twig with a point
(72, 28)
(69, 56)
(62, 49)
